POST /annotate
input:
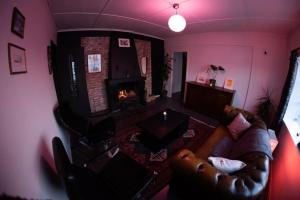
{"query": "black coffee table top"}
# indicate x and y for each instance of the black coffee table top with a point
(159, 126)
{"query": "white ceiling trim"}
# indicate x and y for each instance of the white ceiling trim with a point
(109, 29)
(239, 19)
(135, 19)
(76, 13)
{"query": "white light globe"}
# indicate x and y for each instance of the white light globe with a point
(177, 23)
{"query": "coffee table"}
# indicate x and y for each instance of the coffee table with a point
(160, 129)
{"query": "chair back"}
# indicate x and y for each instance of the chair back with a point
(65, 169)
(79, 183)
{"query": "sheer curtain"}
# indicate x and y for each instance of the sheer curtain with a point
(287, 90)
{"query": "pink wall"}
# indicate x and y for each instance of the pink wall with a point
(294, 39)
(239, 53)
(27, 124)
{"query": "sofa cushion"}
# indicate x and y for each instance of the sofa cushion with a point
(231, 112)
(223, 147)
(226, 165)
(238, 125)
(253, 140)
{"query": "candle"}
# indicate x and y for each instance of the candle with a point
(165, 115)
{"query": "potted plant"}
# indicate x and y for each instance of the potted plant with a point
(212, 71)
(265, 106)
(165, 72)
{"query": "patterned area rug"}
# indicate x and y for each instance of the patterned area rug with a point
(159, 162)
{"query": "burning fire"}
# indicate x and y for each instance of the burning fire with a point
(122, 94)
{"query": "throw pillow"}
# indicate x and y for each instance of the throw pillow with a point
(238, 125)
(226, 165)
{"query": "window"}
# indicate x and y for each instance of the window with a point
(292, 115)
(73, 78)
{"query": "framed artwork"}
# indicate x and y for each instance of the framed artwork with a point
(17, 59)
(51, 51)
(18, 23)
(228, 84)
(94, 63)
(201, 77)
(124, 42)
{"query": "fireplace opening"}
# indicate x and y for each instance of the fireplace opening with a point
(125, 93)
(128, 95)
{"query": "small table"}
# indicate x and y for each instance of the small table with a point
(161, 129)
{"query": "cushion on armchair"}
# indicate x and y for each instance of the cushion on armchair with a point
(226, 165)
(238, 125)
(231, 112)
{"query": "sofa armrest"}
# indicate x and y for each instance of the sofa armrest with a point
(243, 184)
(206, 149)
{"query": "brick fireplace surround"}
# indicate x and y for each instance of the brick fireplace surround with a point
(96, 81)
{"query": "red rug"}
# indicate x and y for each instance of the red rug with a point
(141, 154)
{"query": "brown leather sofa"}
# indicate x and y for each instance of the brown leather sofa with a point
(195, 178)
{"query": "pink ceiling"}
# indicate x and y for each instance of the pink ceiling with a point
(151, 16)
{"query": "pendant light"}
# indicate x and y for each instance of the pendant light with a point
(176, 22)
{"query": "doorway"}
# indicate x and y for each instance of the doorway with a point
(179, 73)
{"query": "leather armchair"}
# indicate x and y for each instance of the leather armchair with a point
(193, 175)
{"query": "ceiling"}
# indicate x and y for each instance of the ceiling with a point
(150, 17)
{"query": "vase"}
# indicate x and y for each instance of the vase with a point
(212, 82)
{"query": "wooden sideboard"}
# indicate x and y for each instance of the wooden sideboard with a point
(207, 100)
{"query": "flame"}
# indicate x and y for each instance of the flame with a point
(122, 94)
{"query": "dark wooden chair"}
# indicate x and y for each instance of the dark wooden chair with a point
(121, 178)
(80, 183)
(82, 127)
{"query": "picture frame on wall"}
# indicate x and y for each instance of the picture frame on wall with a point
(17, 59)
(94, 63)
(123, 42)
(51, 52)
(18, 23)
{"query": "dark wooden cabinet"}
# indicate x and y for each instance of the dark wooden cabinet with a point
(207, 100)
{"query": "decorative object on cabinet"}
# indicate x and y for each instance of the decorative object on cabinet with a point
(18, 23)
(228, 84)
(17, 59)
(212, 71)
(207, 100)
(201, 77)
(123, 42)
(94, 63)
